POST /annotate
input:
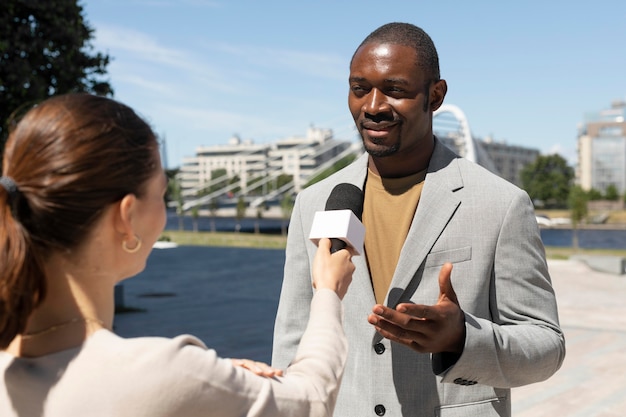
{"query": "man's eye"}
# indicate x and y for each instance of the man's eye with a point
(358, 90)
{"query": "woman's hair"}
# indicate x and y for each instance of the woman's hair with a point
(69, 158)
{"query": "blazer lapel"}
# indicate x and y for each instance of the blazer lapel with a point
(437, 205)
(356, 174)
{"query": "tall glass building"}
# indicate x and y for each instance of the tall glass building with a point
(602, 149)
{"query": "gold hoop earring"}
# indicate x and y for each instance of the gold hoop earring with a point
(134, 249)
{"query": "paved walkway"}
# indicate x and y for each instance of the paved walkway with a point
(592, 380)
(228, 297)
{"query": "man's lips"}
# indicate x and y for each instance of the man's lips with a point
(377, 130)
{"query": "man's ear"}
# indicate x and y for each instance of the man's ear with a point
(125, 211)
(438, 93)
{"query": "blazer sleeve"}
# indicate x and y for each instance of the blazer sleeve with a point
(522, 342)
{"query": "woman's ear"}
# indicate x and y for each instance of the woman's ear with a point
(125, 211)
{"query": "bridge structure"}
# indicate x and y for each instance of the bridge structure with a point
(449, 124)
(228, 196)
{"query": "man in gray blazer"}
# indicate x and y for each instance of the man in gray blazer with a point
(452, 304)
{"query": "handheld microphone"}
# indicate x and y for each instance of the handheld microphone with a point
(341, 220)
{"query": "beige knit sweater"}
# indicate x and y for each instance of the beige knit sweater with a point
(112, 376)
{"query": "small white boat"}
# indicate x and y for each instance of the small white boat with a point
(164, 245)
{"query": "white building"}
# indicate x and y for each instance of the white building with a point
(237, 158)
(602, 149)
(257, 165)
(295, 156)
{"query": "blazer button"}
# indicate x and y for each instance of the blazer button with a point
(462, 381)
(380, 410)
(379, 348)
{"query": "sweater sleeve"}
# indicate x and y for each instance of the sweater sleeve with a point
(203, 384)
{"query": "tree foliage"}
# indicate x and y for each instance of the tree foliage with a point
(611, 193)
(45, 50)
(175, 192)
(594, 194)
(548, 180)
(286, 206)
(240, 212)
(343, 162)
(577, 202)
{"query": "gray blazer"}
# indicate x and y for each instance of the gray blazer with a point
(486, 227)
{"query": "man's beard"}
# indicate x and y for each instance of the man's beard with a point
(384, 152)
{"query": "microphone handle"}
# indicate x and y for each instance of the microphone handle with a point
(336, 245)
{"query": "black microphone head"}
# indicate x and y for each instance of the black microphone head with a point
(346, 197)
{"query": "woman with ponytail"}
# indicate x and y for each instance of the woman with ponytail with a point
(81, 204)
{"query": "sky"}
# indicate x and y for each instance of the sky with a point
(200, 71)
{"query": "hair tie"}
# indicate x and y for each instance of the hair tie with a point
(11, 188)
(9, 185)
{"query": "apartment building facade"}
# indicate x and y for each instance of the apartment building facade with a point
(601, 147)
(303, 156)
(297, 156)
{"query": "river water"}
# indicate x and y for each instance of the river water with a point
(587, 238)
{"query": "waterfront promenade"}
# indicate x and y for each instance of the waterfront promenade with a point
(228, 298)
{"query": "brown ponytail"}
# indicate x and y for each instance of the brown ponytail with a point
(69, 157)
(23, 285)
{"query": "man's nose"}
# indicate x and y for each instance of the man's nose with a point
(375, 103)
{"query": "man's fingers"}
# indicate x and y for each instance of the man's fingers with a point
(398, 333)
(404, 316)
(445, 284)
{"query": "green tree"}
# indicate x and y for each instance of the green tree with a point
(240, 212)
(611, 193)
(286, 207)
(176, 193)
(235, 180)
(45, 50)
(343, 162)
(577, 202)
(171, 174)
(594, 194)
(548, 180)
(213, 207)
(195, 214)
(259, 216)
(283, 179)
(255, 186)
(215, 174)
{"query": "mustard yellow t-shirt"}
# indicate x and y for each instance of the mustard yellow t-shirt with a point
(388, 211)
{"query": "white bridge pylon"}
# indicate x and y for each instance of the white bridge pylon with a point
(464, 129)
